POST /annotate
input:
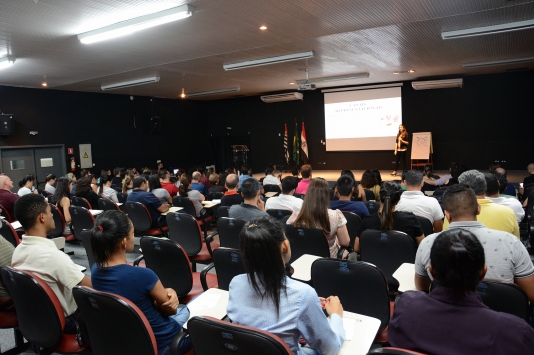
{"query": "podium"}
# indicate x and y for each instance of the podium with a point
(240, 155)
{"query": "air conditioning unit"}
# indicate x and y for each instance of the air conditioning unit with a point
(282, 97)
(438, 84)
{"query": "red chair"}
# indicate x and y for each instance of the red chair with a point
(9, 320)
(184, 230)
(142, 221)
(223, 335)
(39, 312)
(9, 233)
(170, 262)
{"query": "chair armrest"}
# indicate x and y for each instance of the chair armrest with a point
(160, 225)
(203, 276)
(138, 260)
(176, 340)
(341, 250)
(209, 238)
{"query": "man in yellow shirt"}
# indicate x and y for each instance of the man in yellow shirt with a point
(492, 215)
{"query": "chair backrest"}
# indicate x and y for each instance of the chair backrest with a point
(170, 262)
(81, 219)
(360, 286)
(59, 222)
(353, 224)
(272, 188)
(229, 229)
(39, 312)
(9, 233)
(372, 206)
(426, 225)
(186, 203)
(214, 196)
(504, 297)
(388, 250)
(107, 205)
(228, 263)
(139, 215)
(4, 213)
(114, 324)
(301, 196)
(82, 202)
(223, 211)
(184, 230)
(369, 195)
(86, 241)
(279, 214)
(122, 197)
(393, 351)
(306, 241)
(226, 338)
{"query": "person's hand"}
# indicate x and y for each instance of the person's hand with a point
(172, 303)
(333, 305)
(261, 205)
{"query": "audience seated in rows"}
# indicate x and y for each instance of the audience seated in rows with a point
(370, 182)
(315, 213)
(164, 176)
(267, 299)
(253, 206)
(6, 255)
(246, 173)
(155, 187)
(344, 190)
(503, 183)
(83, 189)
(106, 190)
(493, 194)
(444, 180)
(7, 198)
(306, 173)
(452, 319)
(117, 179)
(197, 185)
(217, 185)
(413, 200)
(50, 180)
(286, 200)
(27, 185)
(509, 189)
(127, 185)
(232, 196)
(111, 238)
(61, 199)
(295, 172)
(152, 203)
(204, 174)
(492, 215)
(506, 257)
(388, 218)
(359, 193)
(530, 178)
(270, 178)
(195, 196)
(40, 256)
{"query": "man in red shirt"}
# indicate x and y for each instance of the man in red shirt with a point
(7, 198)
(164, 177)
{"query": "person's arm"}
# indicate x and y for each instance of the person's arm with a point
(163, 207)
(419, 239)
(65, 204)
(429, 181)
(114, 197)
(165, 299)
(527, 284)
(169, 200)
(357, 244)
(95, 188)
(422, 283)
(343, 238)
(261, 205)
(86, 281)
(438, 225)
(361, 193)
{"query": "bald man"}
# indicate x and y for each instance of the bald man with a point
(7, 198)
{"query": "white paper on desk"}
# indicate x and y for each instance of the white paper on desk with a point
(270, 194)
(405, 275)
(95, 212)
(358, 340)
(215, 201)
(175, 209)
(204, 301)
(348, 325)
(119, 203)
(16, 225)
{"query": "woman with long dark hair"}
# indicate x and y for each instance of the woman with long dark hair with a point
(401, 148)
(315, 213)
(195, 196)
(111, 238)
(370, 182)
(388, 219)
(61, 199)
(84, 189)
(106, 190)
(155, 187)
(267, 299)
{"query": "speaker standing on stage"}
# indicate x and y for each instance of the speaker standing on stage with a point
(401, 147)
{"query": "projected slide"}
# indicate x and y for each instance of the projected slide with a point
(363, 119)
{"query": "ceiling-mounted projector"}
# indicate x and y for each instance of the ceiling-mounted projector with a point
(306, 86)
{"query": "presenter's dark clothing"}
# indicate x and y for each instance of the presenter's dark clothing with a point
(438, 323)
(401, 156)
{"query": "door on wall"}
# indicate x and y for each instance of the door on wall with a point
(37, 160)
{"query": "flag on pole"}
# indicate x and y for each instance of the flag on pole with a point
(286, 151)
(296, 149)
(303, 143)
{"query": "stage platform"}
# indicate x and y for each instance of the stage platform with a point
(514, 176)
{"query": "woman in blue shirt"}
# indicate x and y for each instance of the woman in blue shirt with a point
(267, 299)
(111, 238)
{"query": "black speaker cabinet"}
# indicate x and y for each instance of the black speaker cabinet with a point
(7, 125)
(155, 124)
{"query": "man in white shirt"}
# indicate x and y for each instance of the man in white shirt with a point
(492, 193)
(413, 200)
(270, 179)
(285, 201)
(40, 256)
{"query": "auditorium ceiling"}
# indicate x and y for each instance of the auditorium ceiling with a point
(378, 37)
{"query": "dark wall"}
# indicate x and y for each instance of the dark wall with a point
(488, 119)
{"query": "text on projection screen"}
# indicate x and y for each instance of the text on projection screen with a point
(362, 119)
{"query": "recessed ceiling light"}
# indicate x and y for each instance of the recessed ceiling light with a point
(44, 84)
(411, 71)
(263, 28)
(396, 72)
(182, 95)
(291, 83)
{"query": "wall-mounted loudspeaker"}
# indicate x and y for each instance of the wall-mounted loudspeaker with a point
(155, 124)
(7, 125)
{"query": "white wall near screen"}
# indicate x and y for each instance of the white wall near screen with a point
(362, 119)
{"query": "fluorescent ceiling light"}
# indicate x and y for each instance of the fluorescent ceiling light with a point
(267, 61)
(366, 87)
(136, 24)
(336, 78)
(498, 62)
(214, 92)
(128, 83)
(6, 62)
(489, 30)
